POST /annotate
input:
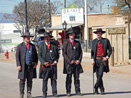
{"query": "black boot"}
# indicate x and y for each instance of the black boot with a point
(96, 91)
(102, 91)
(21, 88)
(44, 95)
(79, 94)
(55, 95)
(29, 88)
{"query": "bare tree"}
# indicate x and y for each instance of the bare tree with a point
(37, 14)
(125, 7)
(91, 4)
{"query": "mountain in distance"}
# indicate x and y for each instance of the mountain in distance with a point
(3, 20)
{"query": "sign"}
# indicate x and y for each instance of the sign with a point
(6, 41)
(118, 30)
(73, 15)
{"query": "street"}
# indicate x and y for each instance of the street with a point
(116, 85)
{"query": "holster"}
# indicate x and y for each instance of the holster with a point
(101, 58)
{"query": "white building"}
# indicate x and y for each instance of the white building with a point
(8, 38)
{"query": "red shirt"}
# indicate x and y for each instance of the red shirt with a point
(100, 51)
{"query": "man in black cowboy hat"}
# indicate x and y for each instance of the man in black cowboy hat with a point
(48, 56)
(26, 60)
(72, 54)
(100, 53)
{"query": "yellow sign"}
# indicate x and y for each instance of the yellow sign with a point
(119, 30)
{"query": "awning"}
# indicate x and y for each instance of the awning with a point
(60, 27)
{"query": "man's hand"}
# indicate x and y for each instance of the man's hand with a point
(35, 65)
(53, 64)
(105, 59)
(77, 62)
(19, 68)
(46, 64)
(93, 62)
(72, 62)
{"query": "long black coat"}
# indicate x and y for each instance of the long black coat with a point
(20, 58)
(42, 56)
(68, 54)
(106, 48)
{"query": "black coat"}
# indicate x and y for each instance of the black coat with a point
(106, 48)
(68, 53)
(42, 56)
(20, 58)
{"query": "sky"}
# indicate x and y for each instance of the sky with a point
(6, 6)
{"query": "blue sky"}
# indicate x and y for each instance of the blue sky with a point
(6, 6)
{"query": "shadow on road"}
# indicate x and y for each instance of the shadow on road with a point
(122, 92)
(63, 95)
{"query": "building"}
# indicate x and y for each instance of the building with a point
(9, 37)
(114, 25)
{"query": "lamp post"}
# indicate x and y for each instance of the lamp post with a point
(26, 20)
(64, 24)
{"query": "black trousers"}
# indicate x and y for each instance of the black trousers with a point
(76, 80)
(28, 75)
(49, 74)
(99, 74)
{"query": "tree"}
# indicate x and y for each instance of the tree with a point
(125, 7)
(37, 14)
(91, 4)
(125, 10)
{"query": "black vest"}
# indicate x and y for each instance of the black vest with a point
(49, 55)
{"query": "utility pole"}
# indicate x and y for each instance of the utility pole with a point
(26, 20)
(64, 3)
(49, 8)
(86, 25)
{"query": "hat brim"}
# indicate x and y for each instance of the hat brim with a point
(27, 35)
(70, 33)
(48, 36)
(99, 31)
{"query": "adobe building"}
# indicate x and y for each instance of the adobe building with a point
(114, 25)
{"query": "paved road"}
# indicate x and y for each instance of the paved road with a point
(116, 85)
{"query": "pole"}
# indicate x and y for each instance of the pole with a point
(86, 25)
(93, 78)
(64, 33)
(26, 20)
(112, 56)
(49, 12)
(64, 3)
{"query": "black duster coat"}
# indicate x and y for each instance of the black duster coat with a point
(42, 58)
(20, 58)
(106, 48)
(68, 54)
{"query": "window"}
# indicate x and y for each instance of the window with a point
(72, 18)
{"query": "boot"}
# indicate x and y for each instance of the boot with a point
(29, 88)
(96, 90)
(21, 88)
(102, 90)
(44, 95)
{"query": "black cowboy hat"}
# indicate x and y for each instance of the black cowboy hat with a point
(26, 34)
(99, 30)
(47, 33)
(41, 31)
(70, 31)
